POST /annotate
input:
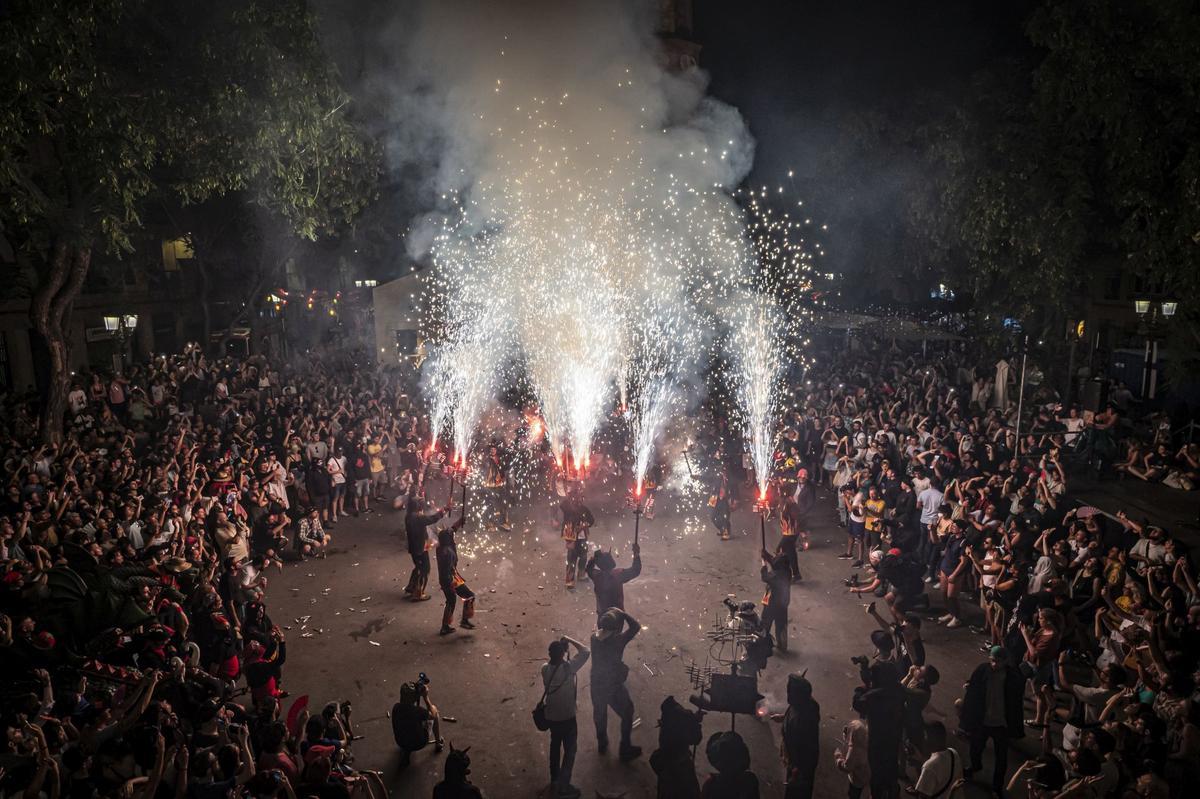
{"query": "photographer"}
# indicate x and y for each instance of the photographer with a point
(880, 700)
(413, 717)
(559, 686)
(902, 575)
(609, 673)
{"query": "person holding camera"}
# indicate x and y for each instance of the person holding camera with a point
(413, 717)
(609, 673)
(559, 684)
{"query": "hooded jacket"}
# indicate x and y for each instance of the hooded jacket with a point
(801, 746)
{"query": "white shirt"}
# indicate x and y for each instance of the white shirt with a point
(337, 469)
(940, 771)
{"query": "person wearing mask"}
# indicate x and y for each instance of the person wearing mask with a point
(559, 685)
(800, 748)
(776, 573)
(577, 521)
(616, 629)
(416, 531)
(992, 710)
(609, 581)
(451, 582)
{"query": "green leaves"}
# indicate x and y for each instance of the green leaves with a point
(111, 101)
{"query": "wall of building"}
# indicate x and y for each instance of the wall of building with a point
(397, 305)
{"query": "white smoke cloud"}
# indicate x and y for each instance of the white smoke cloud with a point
(574, 184)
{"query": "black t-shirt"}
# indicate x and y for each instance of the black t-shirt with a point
(608, 668)
(408, 726)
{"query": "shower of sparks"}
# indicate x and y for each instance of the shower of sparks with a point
(587, 273)
(758, 365)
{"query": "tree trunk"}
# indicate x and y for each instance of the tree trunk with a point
(49, 312)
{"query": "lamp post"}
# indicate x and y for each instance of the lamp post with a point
(121, 328)
(1148, 324)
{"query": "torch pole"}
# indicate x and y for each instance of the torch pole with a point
(464, 496)
(762, 526)
(637, 520)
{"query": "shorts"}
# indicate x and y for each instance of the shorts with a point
(857, 529)
(1043, 675)
(377, 478)
(339, 490)
(362, 486)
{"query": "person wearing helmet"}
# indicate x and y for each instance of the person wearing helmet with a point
(729, 755)
(609, 673)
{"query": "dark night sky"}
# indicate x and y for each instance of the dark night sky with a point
(785, 63)
(828, 87)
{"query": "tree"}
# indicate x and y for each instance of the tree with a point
(1120, 86)
(110, 103)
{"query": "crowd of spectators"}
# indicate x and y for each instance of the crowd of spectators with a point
(1088, 624)
(140, 657)
(138, 654)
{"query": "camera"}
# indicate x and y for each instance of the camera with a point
(862, 661)
(422, 679)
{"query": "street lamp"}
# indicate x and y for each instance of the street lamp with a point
(1149, 327)
(122, 328)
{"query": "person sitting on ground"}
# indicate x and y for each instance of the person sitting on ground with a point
(311, 538)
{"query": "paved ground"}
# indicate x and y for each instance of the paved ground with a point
(368, 640)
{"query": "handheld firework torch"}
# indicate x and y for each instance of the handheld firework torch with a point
(462, 469)
(635, 500)
(761, 506)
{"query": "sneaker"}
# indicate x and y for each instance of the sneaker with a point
(630, 753)
(858, 564)
(954, 624)
(977, 630)
(945, 619)
(466, 624)
(421, 598)
(446, 630)
(846, 556)
(1034, 724)
(936, 586)
(567, 792)
(929, 579)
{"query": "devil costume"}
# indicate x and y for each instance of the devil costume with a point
(451, 582)
(609, 581)
(416, 530)
(576, 521)
(778, 577)
(800, 747)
